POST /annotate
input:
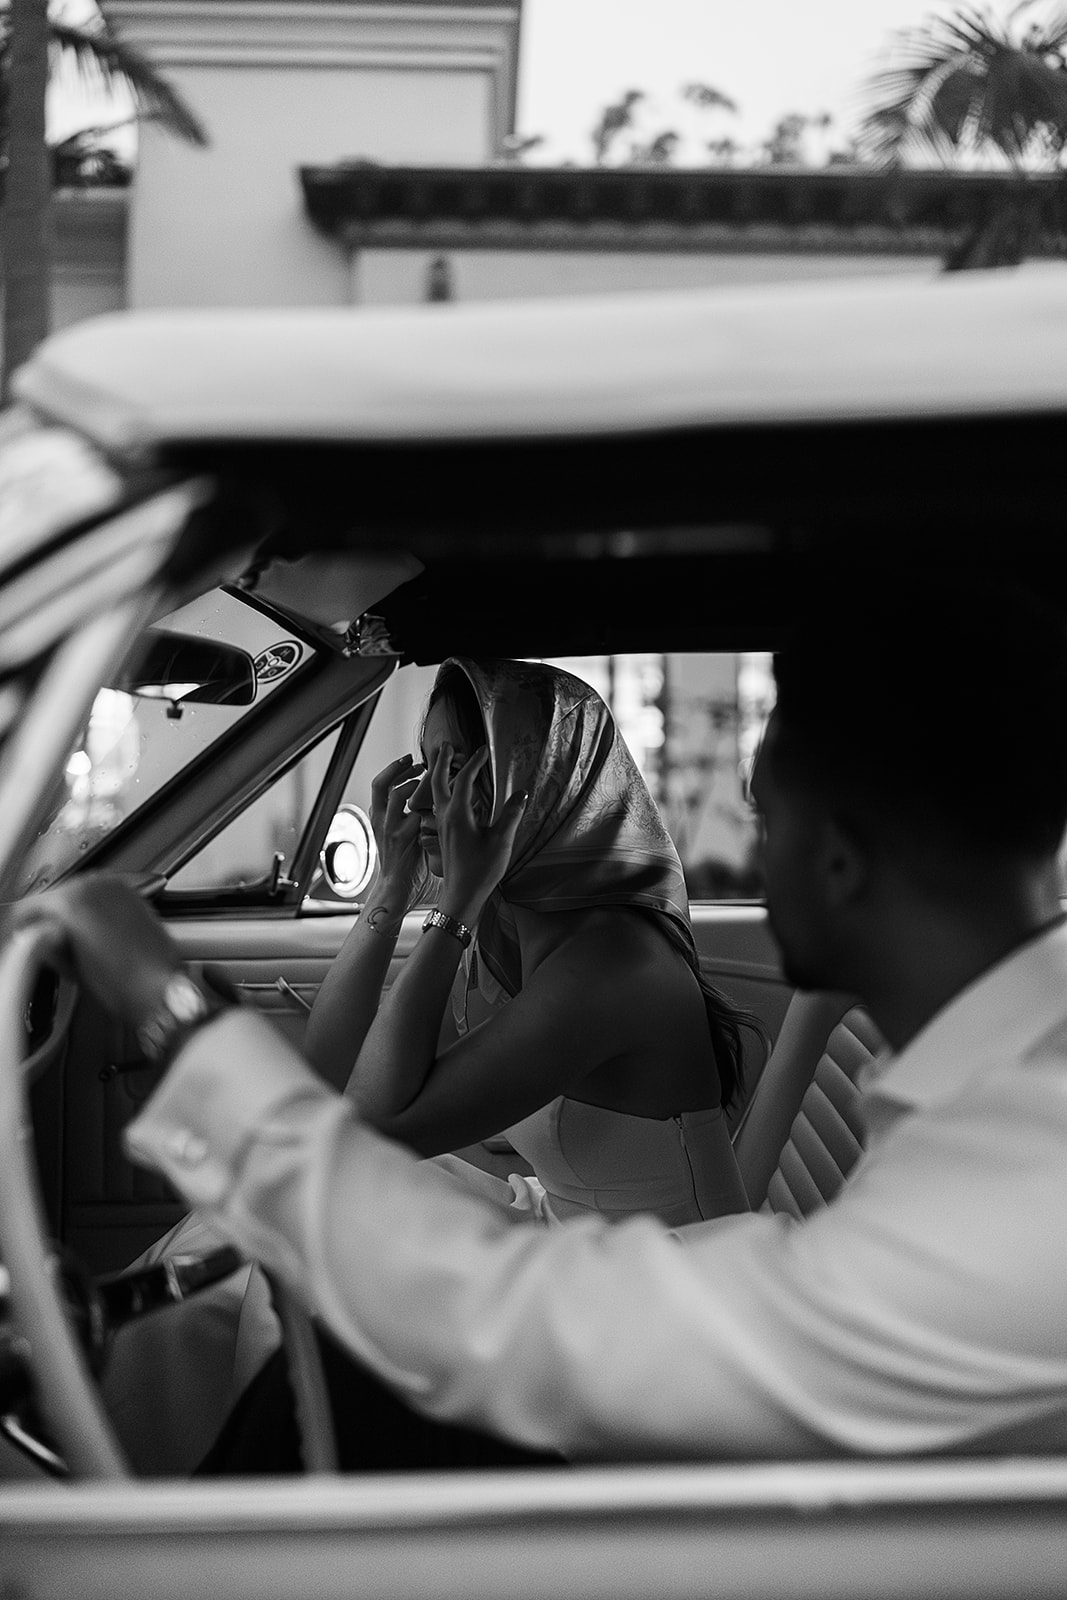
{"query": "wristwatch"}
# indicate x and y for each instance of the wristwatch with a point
(183, 1008)
(452, 925)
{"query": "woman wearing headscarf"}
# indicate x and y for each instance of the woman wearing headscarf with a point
(555, 991)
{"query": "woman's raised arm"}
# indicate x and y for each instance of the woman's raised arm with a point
(399, 1050)
(351, 992)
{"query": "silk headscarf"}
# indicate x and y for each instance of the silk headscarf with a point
(591, 834)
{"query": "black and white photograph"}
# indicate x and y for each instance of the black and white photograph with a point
(533, 796)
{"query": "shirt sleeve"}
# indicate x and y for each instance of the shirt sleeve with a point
(754, 1337)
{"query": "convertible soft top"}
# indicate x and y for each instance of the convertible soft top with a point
(966, 345)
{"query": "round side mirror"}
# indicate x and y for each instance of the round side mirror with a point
(349, 855)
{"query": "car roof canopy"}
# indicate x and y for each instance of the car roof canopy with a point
(716, 447)
(962, 345)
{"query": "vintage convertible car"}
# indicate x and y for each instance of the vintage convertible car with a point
(232, 547)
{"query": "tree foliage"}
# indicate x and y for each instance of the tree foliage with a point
(34, 39)
(614, 120)
(708, 98)
(971, 85)
(649, 147)
(102, 60)
(786, 145)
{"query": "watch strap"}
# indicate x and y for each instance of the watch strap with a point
(447, 924)
(183, 1008)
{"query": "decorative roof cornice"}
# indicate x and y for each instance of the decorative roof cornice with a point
(362, 204)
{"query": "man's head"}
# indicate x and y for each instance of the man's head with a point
(918, 744)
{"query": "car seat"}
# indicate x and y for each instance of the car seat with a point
(801, 1133)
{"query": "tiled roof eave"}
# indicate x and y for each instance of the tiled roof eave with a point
(506, 206)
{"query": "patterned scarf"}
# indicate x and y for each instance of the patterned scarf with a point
(591, 834)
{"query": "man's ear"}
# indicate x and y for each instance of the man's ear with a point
(845, 863)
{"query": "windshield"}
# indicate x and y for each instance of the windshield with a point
(130, 746)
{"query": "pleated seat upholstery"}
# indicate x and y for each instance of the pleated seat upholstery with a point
(801, 1135)
(826, 1138)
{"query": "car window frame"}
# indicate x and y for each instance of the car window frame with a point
(289, 891)
(143, 844)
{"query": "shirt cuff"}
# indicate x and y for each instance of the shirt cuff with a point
(235, 1075)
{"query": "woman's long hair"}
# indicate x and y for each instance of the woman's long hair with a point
(727, 1022)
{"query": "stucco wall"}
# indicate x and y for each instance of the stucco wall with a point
(284, 83)
(396, 277)
(226, 226)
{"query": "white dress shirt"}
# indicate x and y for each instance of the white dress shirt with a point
(924, 1310)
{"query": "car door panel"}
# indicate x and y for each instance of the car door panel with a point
(253, 954)
(106, 1209)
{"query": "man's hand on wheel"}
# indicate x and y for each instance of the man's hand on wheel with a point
(109, 939)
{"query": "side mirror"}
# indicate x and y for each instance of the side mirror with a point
(184, 669)
(349, 855)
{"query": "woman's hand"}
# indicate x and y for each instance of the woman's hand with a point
(396, 830)
(475, 855)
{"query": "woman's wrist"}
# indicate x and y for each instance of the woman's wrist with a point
(462, 907)
(392, 895)
(383, 917)
(458, 930)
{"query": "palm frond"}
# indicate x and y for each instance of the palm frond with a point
(951, 102)
(104, 60)
(968, 82)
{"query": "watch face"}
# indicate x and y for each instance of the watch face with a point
(181, 1005)
(183, 999)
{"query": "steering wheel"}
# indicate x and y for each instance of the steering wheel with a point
(65, 1388)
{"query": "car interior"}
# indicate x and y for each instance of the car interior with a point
(325, 633)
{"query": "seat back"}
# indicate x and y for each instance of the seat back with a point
(801, 1133)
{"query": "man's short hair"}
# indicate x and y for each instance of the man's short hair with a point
(931, 709)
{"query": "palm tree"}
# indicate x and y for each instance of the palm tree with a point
(968, 84)
(967, 87)
(26, 237)
(33, 41)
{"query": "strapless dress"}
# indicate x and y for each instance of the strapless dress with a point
(592, 1160)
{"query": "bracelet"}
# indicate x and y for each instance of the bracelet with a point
(458, 930)
(182, 1009)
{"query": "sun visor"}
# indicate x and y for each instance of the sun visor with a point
(333, 595)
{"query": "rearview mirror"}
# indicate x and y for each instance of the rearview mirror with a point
(182, 669)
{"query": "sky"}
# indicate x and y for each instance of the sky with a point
(770, 56)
